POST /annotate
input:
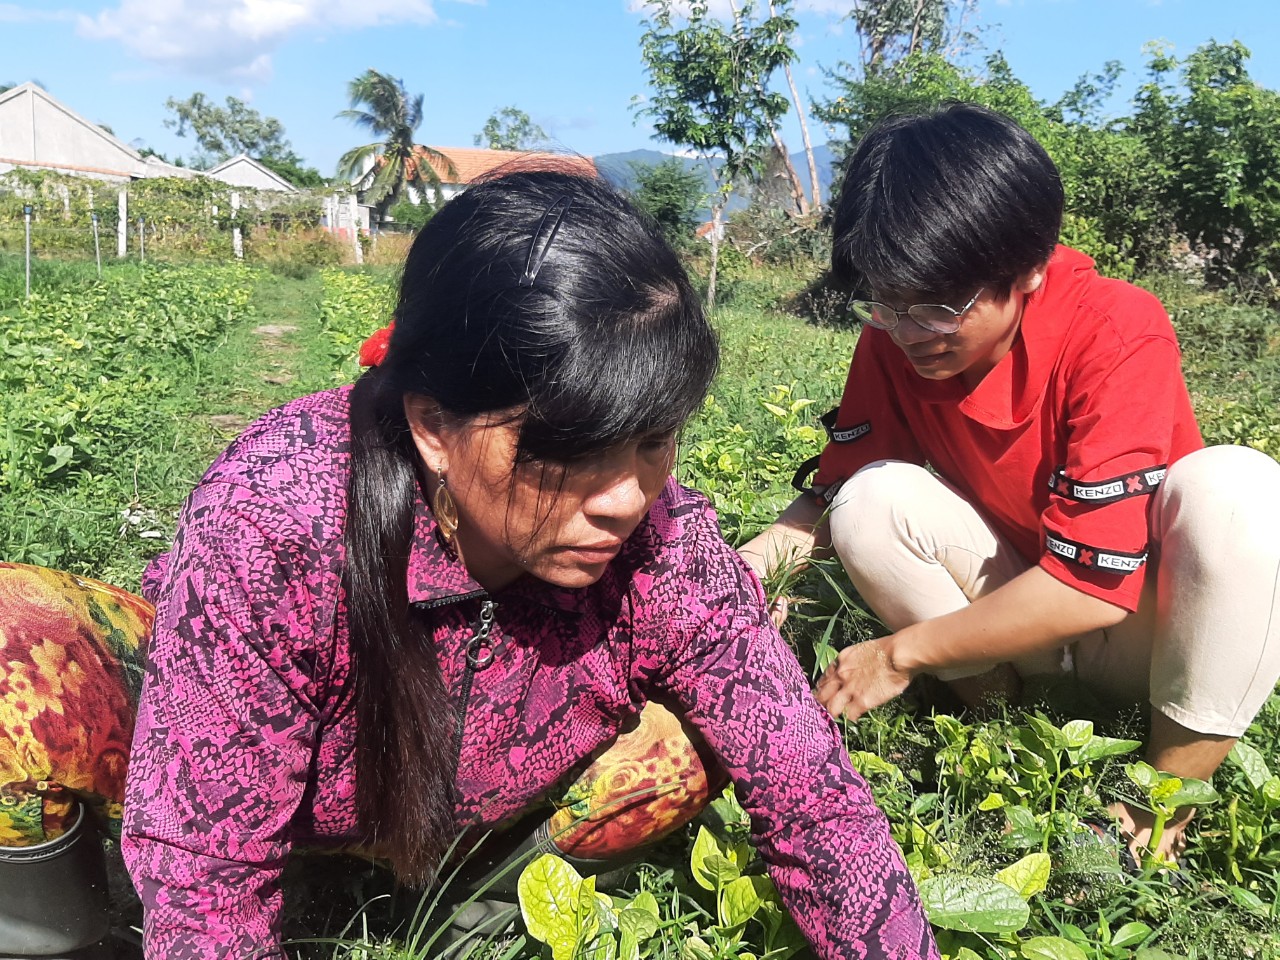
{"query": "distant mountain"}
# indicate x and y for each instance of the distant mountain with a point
(619, 169)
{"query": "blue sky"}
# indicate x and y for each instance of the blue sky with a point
(573, 65)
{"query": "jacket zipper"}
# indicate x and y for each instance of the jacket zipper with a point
(479, 654)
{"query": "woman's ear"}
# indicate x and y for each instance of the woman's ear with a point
(430, 435)
(1030, 281)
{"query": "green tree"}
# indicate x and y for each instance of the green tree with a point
(510, 129)
(782, 8)
(709, 94)
(223, 132)
(1112, 182)
(893, 29)
(1220, 136)
(293, 170)
(671, 194)
(389, 166)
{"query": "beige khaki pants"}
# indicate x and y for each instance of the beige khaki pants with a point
(1204, 644)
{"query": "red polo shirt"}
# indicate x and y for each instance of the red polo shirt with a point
(1060, 446)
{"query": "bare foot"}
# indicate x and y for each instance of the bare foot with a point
(1136, 825)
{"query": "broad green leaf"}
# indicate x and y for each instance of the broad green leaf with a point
(721, 868)
(1192, 793)
(992, 801)
(1028, 876)
(782, 935)
(1142, 774)
(639, 923)
(1249, 900)
(770, 916)
(60, 455)
(1051, 948)
(635, 926)
(600, 947)
(964, 953)
(1251, 764)
(695, 948)
(1099, 747)
(1130, 934)
(867, 763)
(714, 862)
(728, 810)
(1048, 734)
(776, 410)
(973, 904)
(951, 730)
(923, 804)
(1155, 953)
(1271, 792)
(1024, 830)
(1077, 733)
(592, 910)
(645, 902)
(628, 945)
(548, 890)
(742, 898)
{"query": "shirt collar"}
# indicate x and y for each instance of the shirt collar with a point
(1008, 396)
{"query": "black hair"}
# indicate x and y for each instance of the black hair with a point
(944, 202)
(540, 293)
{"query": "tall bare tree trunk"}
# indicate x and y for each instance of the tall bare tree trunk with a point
(793, 178)
(716, 212)
(816, 191)
(917, 26)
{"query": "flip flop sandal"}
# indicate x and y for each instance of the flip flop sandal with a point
(1108, 832)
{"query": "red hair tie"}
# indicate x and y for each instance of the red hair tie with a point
(374, 350)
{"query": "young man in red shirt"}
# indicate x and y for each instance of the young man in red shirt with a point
(1071, 518)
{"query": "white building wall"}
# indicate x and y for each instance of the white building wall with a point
(242, 172)
(35, 129)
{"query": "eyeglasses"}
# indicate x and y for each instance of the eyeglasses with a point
(934, 317)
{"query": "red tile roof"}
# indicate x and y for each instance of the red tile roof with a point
(473, 163)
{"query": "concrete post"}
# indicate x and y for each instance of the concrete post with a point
(122, 225)
(355, 228)
(237, 239)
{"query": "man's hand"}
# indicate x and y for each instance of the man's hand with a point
(861, 678)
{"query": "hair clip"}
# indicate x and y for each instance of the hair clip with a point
(548, 227)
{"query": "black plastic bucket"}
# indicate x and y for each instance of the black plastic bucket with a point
(53, 896)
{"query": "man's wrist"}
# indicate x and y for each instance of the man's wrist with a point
(906, 651)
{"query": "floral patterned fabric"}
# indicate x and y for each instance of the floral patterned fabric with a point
(644, 785)
(70, 675)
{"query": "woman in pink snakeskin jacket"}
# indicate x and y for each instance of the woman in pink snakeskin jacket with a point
(409, 608)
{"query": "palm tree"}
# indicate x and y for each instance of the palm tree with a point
(397, 162)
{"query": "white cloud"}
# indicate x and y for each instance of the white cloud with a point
(236, 38)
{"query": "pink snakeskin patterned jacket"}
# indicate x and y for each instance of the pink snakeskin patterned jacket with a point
(245, 734)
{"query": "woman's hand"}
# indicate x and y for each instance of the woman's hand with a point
(862, 677)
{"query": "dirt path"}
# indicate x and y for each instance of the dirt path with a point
(269, 358)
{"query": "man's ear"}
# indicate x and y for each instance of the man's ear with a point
(1030, 281)
(430, 434)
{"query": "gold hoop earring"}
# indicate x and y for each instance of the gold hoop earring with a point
(445, 509)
